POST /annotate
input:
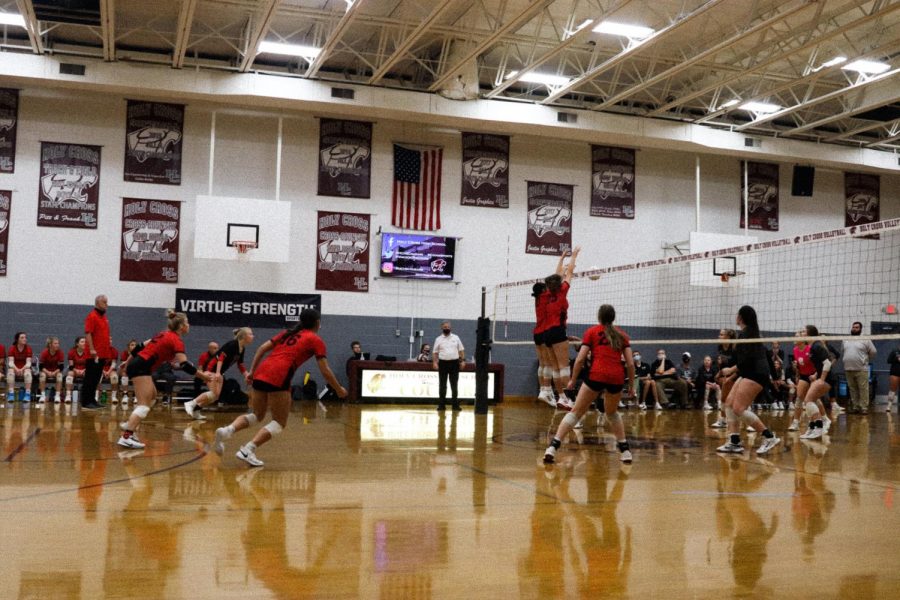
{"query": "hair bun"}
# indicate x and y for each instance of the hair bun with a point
(170, 313)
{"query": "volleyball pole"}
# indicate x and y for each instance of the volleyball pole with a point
(482, 358)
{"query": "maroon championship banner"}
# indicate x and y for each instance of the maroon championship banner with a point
(153, 142)
(69, 186)
(345, 158)
(5, 202)
(612, 182)
(9, 125)
(150, 230)
(762, 198)
(485, 170)
(342, 252)
(862, 199)
(549, 218)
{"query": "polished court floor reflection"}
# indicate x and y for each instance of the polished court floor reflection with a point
(390, 502)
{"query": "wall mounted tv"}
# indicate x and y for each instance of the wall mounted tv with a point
(417, 256)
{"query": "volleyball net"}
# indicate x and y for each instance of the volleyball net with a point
(828, 279)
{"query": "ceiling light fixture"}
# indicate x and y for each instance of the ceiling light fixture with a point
(867, 67)
(760, 107)
(14, 19)
(632, 32)
(288, 49)
(545, 79)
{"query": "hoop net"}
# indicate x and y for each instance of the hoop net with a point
(829, 279)
(243, 247)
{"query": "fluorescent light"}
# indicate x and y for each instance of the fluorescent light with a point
(867, 67)
(634, 32)
(14, 19)
(835, 61)
(730, 103)
(550, 80)
(288, 49)
(760, 107)
(584, 24)
(511, 74)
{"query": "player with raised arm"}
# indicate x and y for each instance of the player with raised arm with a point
(555, 335)
(271, 376)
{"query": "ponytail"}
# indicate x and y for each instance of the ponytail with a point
(175, 320)
(309, 318)
(606, 315)
(240, 333)
(748, 318)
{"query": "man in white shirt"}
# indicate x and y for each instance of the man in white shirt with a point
(856, 356)
(448, 355)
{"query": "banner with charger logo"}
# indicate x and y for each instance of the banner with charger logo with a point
(762, 195)
(342, 252)
(5, 202)
(345, 158)
(549, 218)
(9, 125)
(69, 185)
(227, 308)
(153, 142)
(149, 250)
(612, 182)
(485, 170)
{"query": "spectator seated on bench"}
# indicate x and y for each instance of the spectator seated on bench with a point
(665, 377)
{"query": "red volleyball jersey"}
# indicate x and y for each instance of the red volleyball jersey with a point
(805, 364)
(79, 361)
(606, 361)
(162, 348)
(19, 356)
(52, 362)
(540, 312)
(557, 307)
(290, 352)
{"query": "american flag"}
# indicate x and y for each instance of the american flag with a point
(417, 188)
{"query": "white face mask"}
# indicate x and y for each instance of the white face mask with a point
(637, 357)
(661, 356)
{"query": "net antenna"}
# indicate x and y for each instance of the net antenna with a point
(243, 248)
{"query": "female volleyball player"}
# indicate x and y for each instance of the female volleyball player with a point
(272, 377)
(607, 345)
(78, 357)
(165, 347)
(806, 370)
(752, 369)
(18, 357)
(51, 364)
(820, 382)
(124, 359)
(724, 381)
(554, 331)
(230, 353)
(894, 362)
(545, 370)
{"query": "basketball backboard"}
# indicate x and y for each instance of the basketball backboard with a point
(221, 221)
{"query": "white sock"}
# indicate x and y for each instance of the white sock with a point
(229, 431)
(891, 396)
(249, 447)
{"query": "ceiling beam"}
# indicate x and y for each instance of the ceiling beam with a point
(863, 129)
(812, 43)
(709, 52)
(481, 47)
(108, 29)
(885, 141)
(183, 35)
(605, 66)
(334, 37)
(259, 27)
(410, 40)
(32, 27)
(874, 98)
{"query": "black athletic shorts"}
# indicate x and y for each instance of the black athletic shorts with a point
(762, 379)
(138, 367)
(555, 335)
(803, 378)
(602, 386)
(539, 339)
(263, 386)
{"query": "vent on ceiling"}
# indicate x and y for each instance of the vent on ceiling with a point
(345, 93)
(565, 117)
(71, 69)
(752, 142)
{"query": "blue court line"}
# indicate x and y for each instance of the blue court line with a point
(21, 447)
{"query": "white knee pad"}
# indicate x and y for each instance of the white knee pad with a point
(58, 378)
(554, 374)
(251, 418)
(749, 417)
(125, 380)
(210, 396)
(27, 377)
(571, 419)
(273, 428)
(10, 377)
(811, 409)
(565, 373)
(730, 416)
(70, 379)
(141, 411)
(113, 379)
(548, 372)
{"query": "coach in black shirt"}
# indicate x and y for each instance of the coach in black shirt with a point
(663, 373)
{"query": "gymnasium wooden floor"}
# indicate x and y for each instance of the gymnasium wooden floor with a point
(390, 502)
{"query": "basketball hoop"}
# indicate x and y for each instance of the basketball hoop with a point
(725, 277)
(243, 247)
